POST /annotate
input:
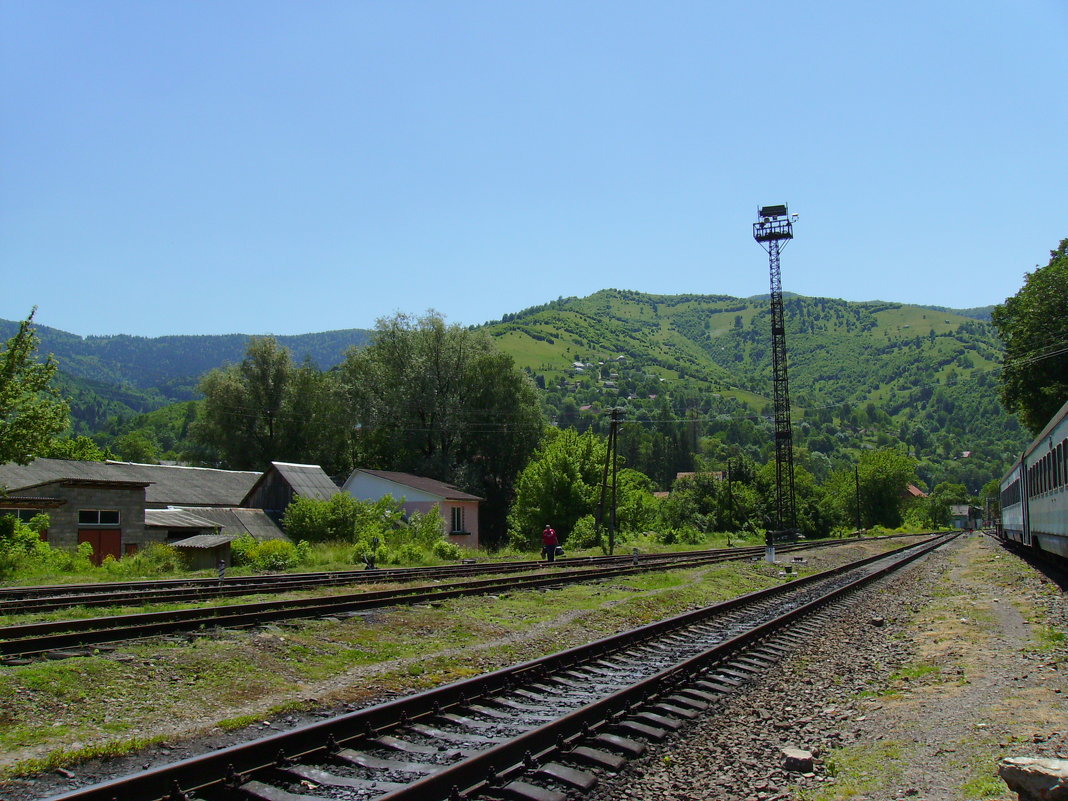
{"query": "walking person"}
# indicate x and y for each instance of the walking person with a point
(549, 543)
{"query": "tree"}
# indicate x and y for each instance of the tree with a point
(442, 401)
(559, 485)
(1033, 324)
(80, 448)
(32, 413)
(267, 409)
(884, 477)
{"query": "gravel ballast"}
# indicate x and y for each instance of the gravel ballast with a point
(892, 703)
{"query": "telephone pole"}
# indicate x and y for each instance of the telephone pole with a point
(610, 461)
(772, 230)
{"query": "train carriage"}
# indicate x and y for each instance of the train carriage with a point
(1034, 493)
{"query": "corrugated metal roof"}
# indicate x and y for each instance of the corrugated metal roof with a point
(307, 480)
(176, 518)
(168, 484)
(439, 488)
(254, 522)
(205, 541)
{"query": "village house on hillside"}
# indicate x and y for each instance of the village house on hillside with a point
(458, 509)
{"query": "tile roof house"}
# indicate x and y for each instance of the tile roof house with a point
(458, 509)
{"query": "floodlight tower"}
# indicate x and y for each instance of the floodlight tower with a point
(773, 229)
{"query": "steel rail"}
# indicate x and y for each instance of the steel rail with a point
(16, 599)
(140, 593)
(222, 771)
(35, 638)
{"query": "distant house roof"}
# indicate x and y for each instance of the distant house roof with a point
(306, 480)
(87, 482)
(915, 491)
(167, 484)
(439, 488)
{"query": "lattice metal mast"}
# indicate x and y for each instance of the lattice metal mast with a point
(773, 229)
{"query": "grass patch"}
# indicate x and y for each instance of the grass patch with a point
(63, 757)
(914, 671)
(1050, 638)
(859, 770)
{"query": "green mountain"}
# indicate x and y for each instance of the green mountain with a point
(117, 377)
(868, 374)
(692, 373)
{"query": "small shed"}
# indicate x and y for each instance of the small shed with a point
(205, 551)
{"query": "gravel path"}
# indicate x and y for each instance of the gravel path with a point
(930, 680)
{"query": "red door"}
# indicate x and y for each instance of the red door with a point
(105, 541)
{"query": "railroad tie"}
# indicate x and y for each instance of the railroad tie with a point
(660, 721)
(318, 776)
(624, 745)
(451, 736)
(596, 757)
(378, 763)
(689, 703)
(524, 791)
(654, 733)
(579, 779)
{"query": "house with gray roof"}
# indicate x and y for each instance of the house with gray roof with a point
(167, 485)
(458, 509)
(119, 507)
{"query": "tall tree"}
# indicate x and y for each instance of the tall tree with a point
(441, 401)
(32, 413)
(1033, 324)
(883, 476)
(267, 409)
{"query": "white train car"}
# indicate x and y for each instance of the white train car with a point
(1034, 493)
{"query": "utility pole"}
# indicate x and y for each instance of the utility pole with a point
(772, 230)
(856, 475)
(610, 460)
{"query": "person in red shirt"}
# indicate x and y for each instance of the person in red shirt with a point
(549, 543)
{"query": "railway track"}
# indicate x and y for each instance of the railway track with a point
(77, 637)
(537, 731)
(30, 599)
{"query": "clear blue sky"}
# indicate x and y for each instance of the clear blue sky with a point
(287, 167)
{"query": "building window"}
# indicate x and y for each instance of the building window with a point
(25, 515)
(98, 517)
(457, 519)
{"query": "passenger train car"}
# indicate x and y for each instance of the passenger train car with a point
(1034, 493)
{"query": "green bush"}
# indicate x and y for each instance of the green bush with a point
(584, 534)
(267, 555)
(687, 535)
(443, 549)
(154, 559)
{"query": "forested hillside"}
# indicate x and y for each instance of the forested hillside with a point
(116, 377)
(697, 370)
(692, 373)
